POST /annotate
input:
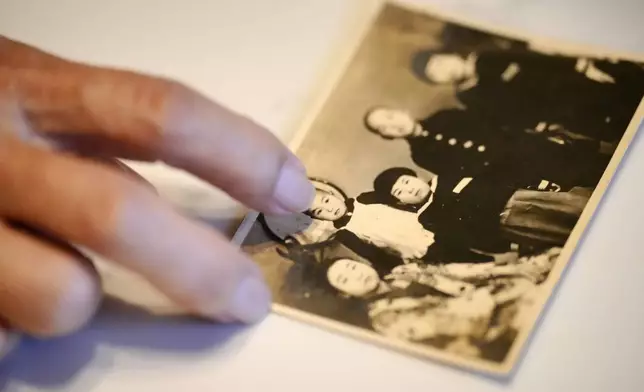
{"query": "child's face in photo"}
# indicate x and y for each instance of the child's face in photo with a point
(327, 207)
(352, 277)
(410, 189)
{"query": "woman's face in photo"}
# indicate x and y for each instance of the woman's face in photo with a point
(410, 189)
(445, 68)
(391, 123)
(352, 277)
(327, 207)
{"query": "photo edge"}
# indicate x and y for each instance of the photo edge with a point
(568, 251)
(416, 351)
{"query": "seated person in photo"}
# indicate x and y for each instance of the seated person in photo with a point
(360, 279)
(306, 286)
(473, 325)
(396, 231)
(332, 282)
(457, 142)
(487, 317)
(526, 271)
(447, 142)
(470, 216)
(350, 275)
(425, 319)
(401, 306)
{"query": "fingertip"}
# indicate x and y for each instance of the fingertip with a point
(293, 191)
(250, 302)
(241, 294)
(198, 268)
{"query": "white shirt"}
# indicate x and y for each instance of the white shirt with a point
(388, 227)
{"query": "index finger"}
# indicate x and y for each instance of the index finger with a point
(164, 119)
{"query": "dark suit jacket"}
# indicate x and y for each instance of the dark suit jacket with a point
(467, 217)
(457, 143)
(549, 88)
(461, 143)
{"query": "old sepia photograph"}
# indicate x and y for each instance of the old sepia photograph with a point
(456, 170)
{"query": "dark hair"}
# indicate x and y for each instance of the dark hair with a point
(384, 182)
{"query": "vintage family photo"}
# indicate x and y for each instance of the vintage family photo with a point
(452, 168)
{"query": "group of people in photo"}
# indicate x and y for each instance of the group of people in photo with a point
(456, 259)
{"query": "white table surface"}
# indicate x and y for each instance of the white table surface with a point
(263, 58)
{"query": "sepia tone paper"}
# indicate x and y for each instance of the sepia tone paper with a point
(457, 168)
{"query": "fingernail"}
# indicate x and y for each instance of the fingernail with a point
(293, 191)
(251, 302)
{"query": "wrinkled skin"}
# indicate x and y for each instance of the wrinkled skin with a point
(62, 124)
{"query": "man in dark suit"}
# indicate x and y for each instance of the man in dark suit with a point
(458, 143)
(529, 90)
(449, 141)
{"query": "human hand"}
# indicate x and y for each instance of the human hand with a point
(62, 124)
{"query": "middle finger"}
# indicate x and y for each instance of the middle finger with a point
(89, 204)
